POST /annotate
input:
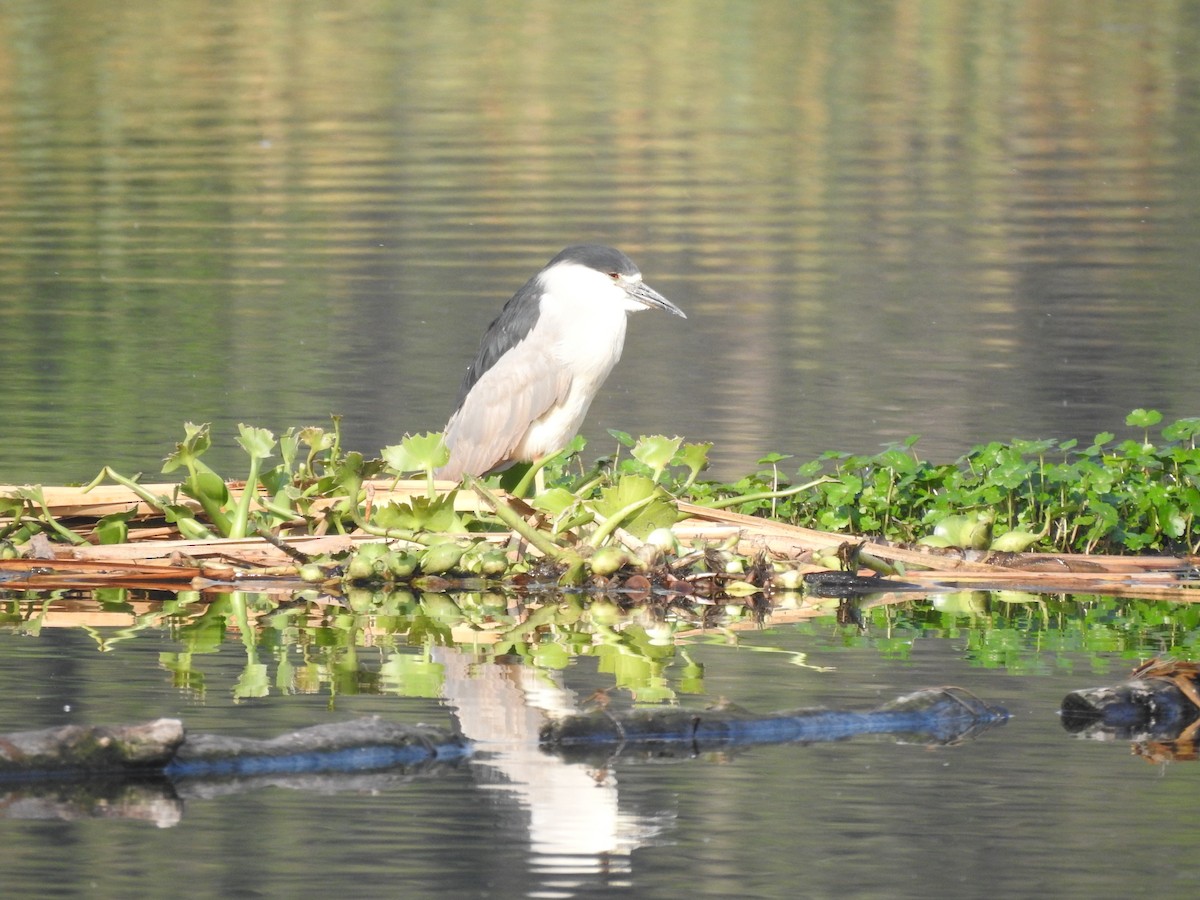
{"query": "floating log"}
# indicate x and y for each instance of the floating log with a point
(163, 747)
(90, 749)
(362, 745)
(939, 715)
(146, 771)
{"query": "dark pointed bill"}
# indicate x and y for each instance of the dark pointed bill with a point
(648, 296)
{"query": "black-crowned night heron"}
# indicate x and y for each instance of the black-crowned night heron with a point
(543, 359)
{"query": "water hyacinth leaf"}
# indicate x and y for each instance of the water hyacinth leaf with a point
(897, 459)
(656, 452)
(628, 490)
(187, 453)
(11, 508)
(33, 493)
(1172, 522)
(660, 513)
(561, 458)
(1031, 448)
(636, 504)
(209, 490)
(554, 501)
(563, 508)
(345, 481)
(695, 458)
(1143, 418)
(417, 453)
(355, 468)
(114, 528)
(289, 447)
(277, 482)
(258, 442)
(1183, 430)
(185, 520)
(574, 447)
(318, 440)
(419, 514)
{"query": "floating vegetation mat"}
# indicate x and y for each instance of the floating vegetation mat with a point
(711, 555)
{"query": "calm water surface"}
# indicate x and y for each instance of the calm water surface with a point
(967, 220)
(970, 220)
(1025, 809)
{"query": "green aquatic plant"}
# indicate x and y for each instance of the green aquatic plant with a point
(1136, 495)
(30, 515)
(269, 497)
(1128, 496)
(422, 453)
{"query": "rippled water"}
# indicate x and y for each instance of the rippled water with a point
(968, 220)
(1025, 808)
(972, 224)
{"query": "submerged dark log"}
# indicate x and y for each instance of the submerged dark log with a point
(364, 756)
(939, 715)
(362, 745)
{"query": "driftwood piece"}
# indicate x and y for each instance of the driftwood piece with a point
(361, 745)
(787, 540)
(146, 772)
(91, 749)
(163, 747)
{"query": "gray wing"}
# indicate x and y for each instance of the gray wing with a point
(504, 401)
(513, 325)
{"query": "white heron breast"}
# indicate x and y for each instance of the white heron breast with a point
(587, 340)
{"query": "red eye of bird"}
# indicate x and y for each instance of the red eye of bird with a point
(614, 275)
